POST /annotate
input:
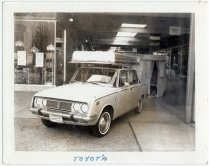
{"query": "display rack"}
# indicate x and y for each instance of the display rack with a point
(49, 69)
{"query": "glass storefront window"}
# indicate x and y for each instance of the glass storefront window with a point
(34, 58)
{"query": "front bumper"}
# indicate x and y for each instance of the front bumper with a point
(67, 118)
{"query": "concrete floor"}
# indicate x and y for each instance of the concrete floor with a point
(159, 127)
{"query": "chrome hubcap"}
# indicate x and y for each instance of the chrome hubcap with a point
(104, 123)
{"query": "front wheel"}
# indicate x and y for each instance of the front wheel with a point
(103, 125)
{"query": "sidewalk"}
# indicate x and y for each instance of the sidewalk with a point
(157, 128)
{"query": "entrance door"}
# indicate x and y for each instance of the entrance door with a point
(153, 84)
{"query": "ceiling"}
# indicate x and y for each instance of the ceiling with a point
(103, 27)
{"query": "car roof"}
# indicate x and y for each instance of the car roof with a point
(106, 68)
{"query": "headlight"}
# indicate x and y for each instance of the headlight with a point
(44, 102)
(84, 108)
(38, 102)
(76, 106)
(35, 102)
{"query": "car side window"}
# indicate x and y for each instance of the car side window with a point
(133, 79)
(123, 78)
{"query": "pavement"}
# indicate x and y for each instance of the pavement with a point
(159, 127)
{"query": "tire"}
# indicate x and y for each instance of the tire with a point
(48, 123)
(103, 125)
(140, 106)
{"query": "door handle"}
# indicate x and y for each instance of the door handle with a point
(131, 88)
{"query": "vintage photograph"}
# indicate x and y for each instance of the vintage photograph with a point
(105, 83)
(112, 82)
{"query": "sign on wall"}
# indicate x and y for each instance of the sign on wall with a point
(185, 30)
(175, 30)
(29, 59)
(39, 59)
(21, 58)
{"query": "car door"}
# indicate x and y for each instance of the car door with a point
(135, 88)
(124, 93)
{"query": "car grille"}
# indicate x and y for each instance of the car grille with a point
(62, 105)
(52, 104)
(65, 106)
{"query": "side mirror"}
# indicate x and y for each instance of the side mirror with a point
(123, 81)
(126, 84)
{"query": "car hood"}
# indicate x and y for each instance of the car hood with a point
(83, 92)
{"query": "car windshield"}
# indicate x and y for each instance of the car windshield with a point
(94, 75)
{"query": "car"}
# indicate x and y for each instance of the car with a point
(95, 96)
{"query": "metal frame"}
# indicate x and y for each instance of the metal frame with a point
(189, 110)
(64, 57)
(54, 78)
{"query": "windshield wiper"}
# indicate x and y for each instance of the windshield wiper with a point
(74, 81)
(94, 82)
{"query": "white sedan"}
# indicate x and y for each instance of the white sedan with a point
(94, 97)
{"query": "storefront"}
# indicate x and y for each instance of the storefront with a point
(35, 56)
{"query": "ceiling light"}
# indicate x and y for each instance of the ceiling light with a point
(124, 25)
(154, 37)
(34, 49)
(71, 19)
(50, 47)
(126, 34)
(19, 44)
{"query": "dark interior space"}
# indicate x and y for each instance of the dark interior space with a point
(153, 86)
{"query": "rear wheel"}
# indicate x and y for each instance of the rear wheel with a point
(103, 125)
(140, 106)
(48, 123)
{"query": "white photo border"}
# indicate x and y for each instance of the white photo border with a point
(199, 156)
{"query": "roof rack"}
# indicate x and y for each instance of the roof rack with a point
(104, 57)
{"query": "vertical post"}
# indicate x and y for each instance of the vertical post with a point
(64, 57)
(54, 80)
(180, 65)
(190, 73)
(170, 60)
